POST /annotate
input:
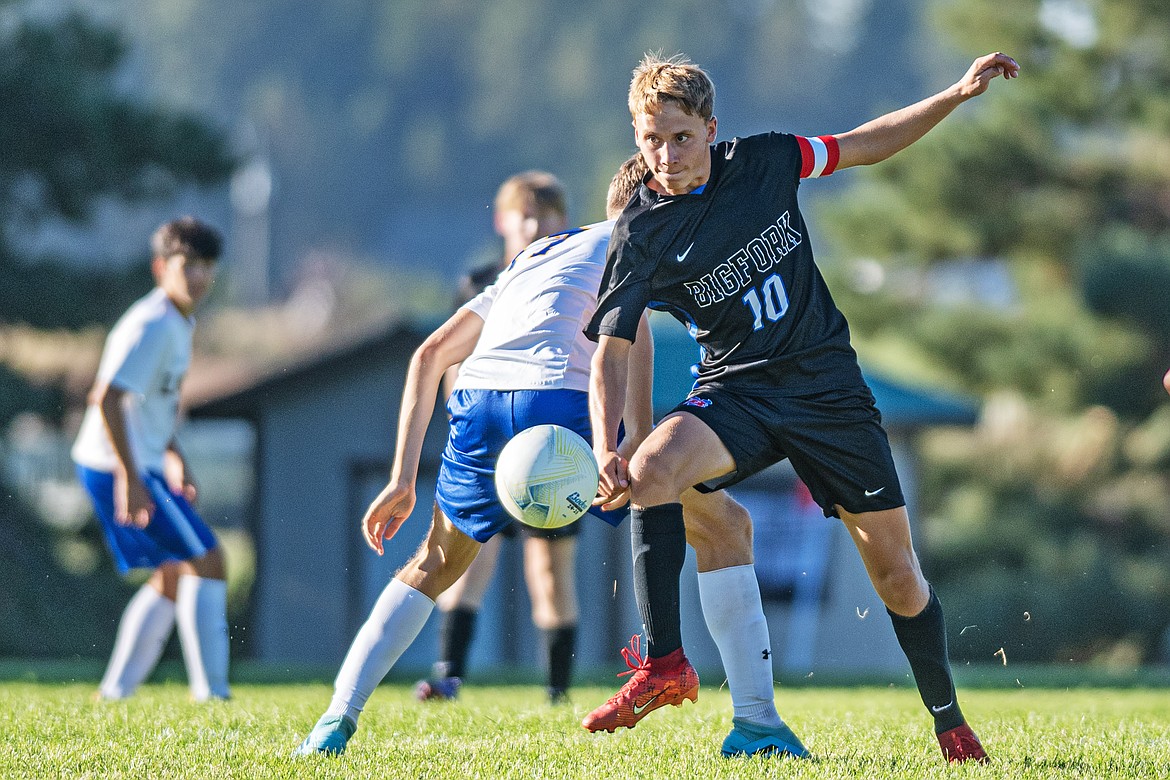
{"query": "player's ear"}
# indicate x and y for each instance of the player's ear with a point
(711, 124)
(158, 266)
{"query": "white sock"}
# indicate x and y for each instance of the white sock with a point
(396, 619)
(201, 611)
(735, 617)
(142, 634)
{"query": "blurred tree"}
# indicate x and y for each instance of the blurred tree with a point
(74, 138)
(390, 125)
(1059, 182)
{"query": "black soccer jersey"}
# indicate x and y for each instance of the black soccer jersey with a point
(734, 264)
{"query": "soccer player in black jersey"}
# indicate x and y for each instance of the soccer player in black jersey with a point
(715, 236)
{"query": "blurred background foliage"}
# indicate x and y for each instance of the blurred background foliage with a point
(1020, 253)
(1057, 504)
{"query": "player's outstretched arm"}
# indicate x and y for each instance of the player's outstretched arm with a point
(887, 135)
(607, 398)
(451, 343)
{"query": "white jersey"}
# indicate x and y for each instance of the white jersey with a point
(535, 313)
(146, 354)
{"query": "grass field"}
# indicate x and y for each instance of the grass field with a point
(53, 729)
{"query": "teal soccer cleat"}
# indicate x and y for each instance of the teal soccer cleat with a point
(329, 736)
(750, 739)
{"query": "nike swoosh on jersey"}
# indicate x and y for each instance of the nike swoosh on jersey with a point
(875, 492)
(683, 256)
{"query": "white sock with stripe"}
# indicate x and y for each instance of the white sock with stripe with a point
(735, 617)
(142, 634)
(203, 631)
(396, 619)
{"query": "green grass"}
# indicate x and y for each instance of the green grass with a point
(53, 729)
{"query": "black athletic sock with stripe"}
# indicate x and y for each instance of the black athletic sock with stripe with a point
(561, 642)
(455, 635)
(658, 540)
(924, 640)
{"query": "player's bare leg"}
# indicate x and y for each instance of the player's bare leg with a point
(884, 541)
(469, 590)
(395, 621)
(718, 528)
(460, 606)
(550, 571)
(442, 559)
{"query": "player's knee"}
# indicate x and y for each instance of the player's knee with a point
(210, 565)
(654, 481)
(903, 590)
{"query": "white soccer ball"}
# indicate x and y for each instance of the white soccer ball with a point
(546, 476)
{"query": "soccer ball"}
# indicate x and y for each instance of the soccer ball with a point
(546, 476)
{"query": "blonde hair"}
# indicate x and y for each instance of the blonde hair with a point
(677, 80)
(536, 191)
(624, 184)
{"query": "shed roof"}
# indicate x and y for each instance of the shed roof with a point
(245, 401)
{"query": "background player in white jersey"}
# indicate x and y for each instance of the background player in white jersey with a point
(716, 237)
(129, 461)
(527, 206)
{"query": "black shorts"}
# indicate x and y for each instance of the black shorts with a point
(834, 440)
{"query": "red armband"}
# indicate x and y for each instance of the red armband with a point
(818, 156)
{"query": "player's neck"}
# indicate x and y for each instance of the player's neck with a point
(696, 183)
(186, 308)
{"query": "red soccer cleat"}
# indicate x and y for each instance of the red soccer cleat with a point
(656, 683)
(960, 744)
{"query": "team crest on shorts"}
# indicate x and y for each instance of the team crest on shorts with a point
(698, 401)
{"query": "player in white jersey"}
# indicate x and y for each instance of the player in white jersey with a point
(525, 363)
(129, 461)
(527, 206)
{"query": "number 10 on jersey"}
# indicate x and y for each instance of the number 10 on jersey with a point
(768, 300)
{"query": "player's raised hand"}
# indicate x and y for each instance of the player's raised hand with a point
(387, 513)
(613, 484)
(977, 78)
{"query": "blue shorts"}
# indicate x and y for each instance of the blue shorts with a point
(482, 422)
(175, 532)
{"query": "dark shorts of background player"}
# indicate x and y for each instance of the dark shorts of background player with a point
(834, 440)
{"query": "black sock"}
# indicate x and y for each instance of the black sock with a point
(454, 639)
(561, 643)
(658, 540)
(924, 640)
